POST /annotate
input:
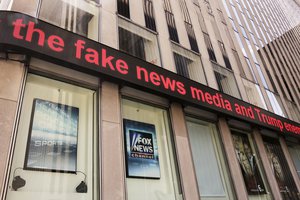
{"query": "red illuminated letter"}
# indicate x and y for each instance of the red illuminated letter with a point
(31, 30)
(79, 46)
(56, 43)
(18, 25)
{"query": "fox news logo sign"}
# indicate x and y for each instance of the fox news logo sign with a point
(141, 145)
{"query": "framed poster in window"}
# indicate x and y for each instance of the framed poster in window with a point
(142, 160)
(52, 140)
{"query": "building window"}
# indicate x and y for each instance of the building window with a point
(250, 165)
(239, 63)
(182, 64)
(226, 81)
(191, 36)
(221, 17)
(276, 103)
(77, 16)
(227, 9)
(294, 149)
(189, 26)
(293, 110)
(225, 56)
(253, 77)
(149, 15)
(240, 43)
(138, 42)
(236, 15)
(210, 49)
(261, 75)
(208, 7)
(280, 169)
(200, 18)
(270, 78)
(211, 171)
(123, 8)
(170, 21)
(154, 177)
(56, 150)
(254, 94)
(244, 32)
(188, 64)
(254, 40)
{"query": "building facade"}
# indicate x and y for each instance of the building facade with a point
(166, 99)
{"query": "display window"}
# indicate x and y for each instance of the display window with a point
(280, 169)
(250, 166)
(55, 151)
(151, 169)
(209, 162)
(294, 149)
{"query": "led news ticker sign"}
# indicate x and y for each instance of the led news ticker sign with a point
(35, 37)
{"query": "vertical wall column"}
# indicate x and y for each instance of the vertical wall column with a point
(265, 162)
(184, 153)
(290, 162)
(112, 174)
(11, 76)
(236, 174)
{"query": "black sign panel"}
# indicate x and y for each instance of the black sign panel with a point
(38, 38)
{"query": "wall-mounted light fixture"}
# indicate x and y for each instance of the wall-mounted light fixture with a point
(17, 182)
(82, 187)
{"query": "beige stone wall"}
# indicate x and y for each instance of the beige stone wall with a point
(11, 75)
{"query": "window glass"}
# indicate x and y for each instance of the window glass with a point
(239, 63)
(253, 39)
(251, 69)
(280, 169)
(240, 43)
(261, 75)
(150, 160)
(55, 151)
(240, 7)
(292, 107)
(244, 32)
(254, 94)
(188, 64)
(211, 171)
(188, 26)
(138, 42)
(226, 81)
(78, 16)
(200, 18)
(170, 21)
(149, 15)
(123, 8)
(233, 25)
(250, 165)
(226, 8)
(246, 22)
(276, 103)
(225, 56)
(182, 64)
(209, 47)
(236, 15)
(294, 149)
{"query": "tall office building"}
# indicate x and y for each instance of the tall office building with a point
(150, 99)
(291, 10)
